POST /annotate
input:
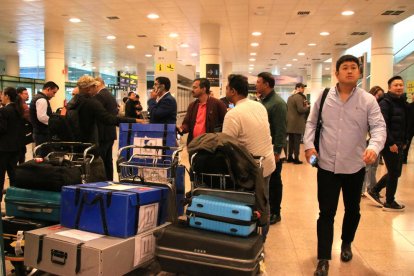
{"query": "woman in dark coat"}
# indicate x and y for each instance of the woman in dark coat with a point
(11, 134)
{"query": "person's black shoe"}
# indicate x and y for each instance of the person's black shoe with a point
(322, 268)
(374, 197)
(297, 162)
(346, 252)
(290, 160)
(393, 207)
(274, 219)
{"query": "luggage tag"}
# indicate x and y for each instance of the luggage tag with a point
(19, 243)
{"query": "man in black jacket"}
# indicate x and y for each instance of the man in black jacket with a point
(106, 133)
(393, 108)
(165, 110)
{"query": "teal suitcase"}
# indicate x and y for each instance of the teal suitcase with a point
(33, 204)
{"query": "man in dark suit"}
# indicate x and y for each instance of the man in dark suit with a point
(106, 133)
(165, 110)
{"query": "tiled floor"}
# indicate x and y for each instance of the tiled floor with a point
(384, 243)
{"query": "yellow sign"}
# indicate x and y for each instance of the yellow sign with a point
(160, 67)
(170, 67)
(410, 86)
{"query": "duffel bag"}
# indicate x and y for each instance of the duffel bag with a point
(47, 175)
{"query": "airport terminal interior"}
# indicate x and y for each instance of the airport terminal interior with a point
(129, 43)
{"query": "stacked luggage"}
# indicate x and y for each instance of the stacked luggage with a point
(107, 227)
(34, 202)
(221, 235)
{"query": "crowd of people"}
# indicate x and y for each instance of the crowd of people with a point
(347, 131)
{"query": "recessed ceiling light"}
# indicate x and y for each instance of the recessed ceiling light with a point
(256, 33)
(173, 35)
(252, 54)
(250, 72)
(326, 68)
(110, 62)
(252, 59)
(153, 16)
(93, 67)
(130, 46)
(251, 65)
(75, 20)
(148, 55)
(301, 54)
(184, 45)
(111, 37)
(194, 54)
(312, 44)
(288, 65)
(254, 44)
(284, 68)
(347, 13)
(126, 66)
(324, 33)
(295, 59)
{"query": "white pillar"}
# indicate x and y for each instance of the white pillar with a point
(382, 58)
(210, 53)
(142, 84)
(227, 70)
(336, 54)
(12, 66)
(316, 80)
(55, 64)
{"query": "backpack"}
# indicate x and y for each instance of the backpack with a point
(66, 127)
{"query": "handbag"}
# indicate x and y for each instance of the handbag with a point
(319, 122)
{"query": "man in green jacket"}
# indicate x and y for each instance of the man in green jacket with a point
(276, 111)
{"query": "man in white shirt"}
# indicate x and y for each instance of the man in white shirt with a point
(248, 122)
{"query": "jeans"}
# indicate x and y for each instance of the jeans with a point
(276, 189)
(370, 179)
(329, 188)
(393, 162)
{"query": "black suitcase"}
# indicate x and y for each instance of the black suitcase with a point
(12, 225)
(190, 251)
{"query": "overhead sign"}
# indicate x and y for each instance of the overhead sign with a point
(213, 74)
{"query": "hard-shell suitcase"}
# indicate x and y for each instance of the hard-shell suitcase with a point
(221, 215)
(11, 227)
(112, 209)
(33, 204)
(191, 251)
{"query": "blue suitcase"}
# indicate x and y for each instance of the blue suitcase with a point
(221, 215)
(33, 204)
(147, 135)
(117, 210)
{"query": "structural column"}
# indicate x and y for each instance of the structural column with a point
(336, 54)
(12, 66)
(382, 58)
(210, 55)
(316, 80)
(55, 64)
(227, 70)
(142, 84)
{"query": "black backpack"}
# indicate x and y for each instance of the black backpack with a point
(66, 127)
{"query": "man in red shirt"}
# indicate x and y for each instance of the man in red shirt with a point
(205, 114)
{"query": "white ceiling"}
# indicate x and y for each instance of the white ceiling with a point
(86, 45)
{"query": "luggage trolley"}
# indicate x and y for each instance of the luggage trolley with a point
(79, 154)
(153, 166)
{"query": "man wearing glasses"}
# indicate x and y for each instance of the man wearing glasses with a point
(40, 112)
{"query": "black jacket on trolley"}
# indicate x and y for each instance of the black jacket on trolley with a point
(244, 169)
(11, 129)
(107, 132)
(92, 112)
(394, 110)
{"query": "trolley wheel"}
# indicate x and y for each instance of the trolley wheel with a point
(19, 268)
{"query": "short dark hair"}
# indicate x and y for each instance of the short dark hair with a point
(164, 81)
(375, 89)
(130, 92)
(20, 89)
(346, 58)
(393, 79)
(267, 77)
(239, 83)
(51, 85)
(204, 83)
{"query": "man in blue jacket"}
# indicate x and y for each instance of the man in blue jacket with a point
(165, 110)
